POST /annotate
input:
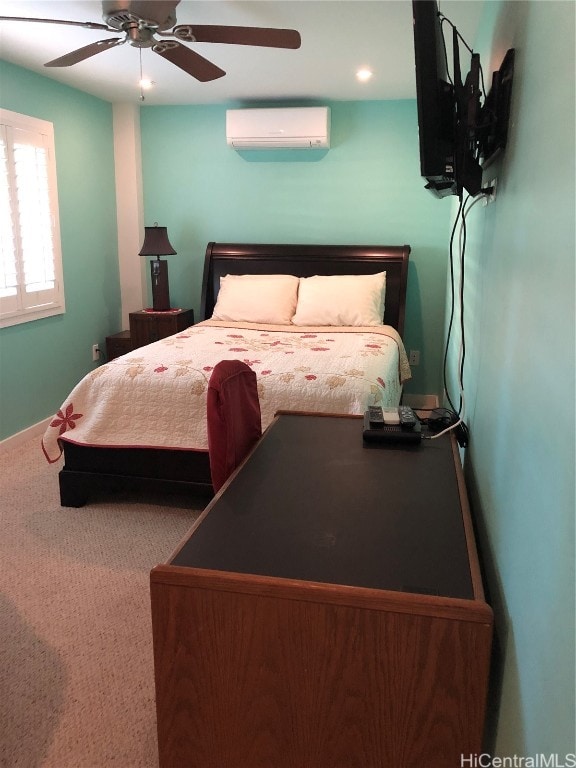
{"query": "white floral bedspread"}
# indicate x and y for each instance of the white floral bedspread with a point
(155, 396)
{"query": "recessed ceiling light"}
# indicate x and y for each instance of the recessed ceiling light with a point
(146, 84)
(363, 75)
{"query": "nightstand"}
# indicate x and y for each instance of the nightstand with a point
(146, 327)
(118, 344)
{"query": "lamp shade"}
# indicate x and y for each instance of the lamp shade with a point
(156, 242)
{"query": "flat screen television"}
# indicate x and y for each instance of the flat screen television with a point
(435, 101)
(458, 134)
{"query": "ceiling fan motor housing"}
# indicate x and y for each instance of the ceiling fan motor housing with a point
(120, 14)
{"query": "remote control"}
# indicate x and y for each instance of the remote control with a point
(407, 417)
(391, 416)
(375, 417)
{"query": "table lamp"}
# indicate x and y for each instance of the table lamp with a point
(156, 243)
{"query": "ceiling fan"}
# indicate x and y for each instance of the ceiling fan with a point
(145, 22)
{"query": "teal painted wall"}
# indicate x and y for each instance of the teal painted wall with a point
(365, 189)
(519, 372)
(42, 360)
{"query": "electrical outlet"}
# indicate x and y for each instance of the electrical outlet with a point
(95, 352)
(492, 196)
(414, 357)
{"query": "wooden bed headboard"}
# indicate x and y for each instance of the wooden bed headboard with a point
(305, 261)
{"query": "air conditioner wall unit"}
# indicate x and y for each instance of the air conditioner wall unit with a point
(278, 128)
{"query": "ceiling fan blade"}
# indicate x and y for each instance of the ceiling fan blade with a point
(87, 24)
(84, 53)
(264, 36)
(188, 60)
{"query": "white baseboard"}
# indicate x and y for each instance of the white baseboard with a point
(420, 401)
(36, 430)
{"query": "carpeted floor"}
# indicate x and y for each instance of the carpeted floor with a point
(76, 666)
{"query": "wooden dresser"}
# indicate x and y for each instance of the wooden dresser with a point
(326, 611)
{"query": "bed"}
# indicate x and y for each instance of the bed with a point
(138, 422)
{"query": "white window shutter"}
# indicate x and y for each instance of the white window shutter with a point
(8, 267)
(31, 284)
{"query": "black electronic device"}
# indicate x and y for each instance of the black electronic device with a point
(408, 418)
(375, 417)
(458, 134)
(495, 114)
(404, 429)
(435, 101)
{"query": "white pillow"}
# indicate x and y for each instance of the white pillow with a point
(341, 300)
(257, 298)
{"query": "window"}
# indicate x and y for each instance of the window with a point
(30, 257)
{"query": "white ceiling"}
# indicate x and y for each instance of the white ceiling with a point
(338, 38)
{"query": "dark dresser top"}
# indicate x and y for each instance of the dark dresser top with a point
(314, 503)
